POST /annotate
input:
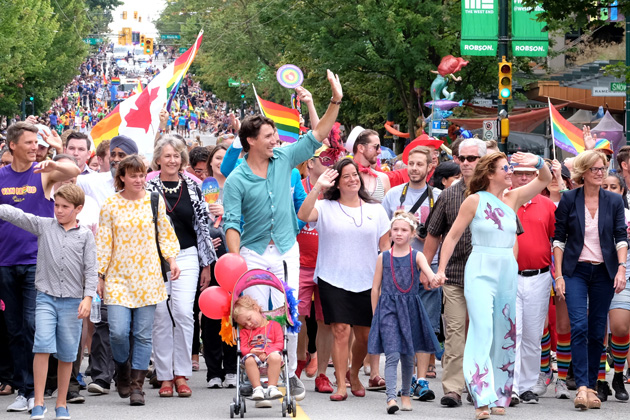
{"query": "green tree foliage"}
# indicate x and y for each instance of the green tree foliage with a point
(580, 13)
(42, 47)
(383, 50)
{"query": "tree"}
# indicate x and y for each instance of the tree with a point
(383, 50)
(581, 13)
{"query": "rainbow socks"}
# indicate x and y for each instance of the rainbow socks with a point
(545, 344)
(620, 346)
(563, 355)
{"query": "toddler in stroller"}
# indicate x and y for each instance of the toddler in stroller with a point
(262, 342)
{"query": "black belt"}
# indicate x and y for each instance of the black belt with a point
(530, 273)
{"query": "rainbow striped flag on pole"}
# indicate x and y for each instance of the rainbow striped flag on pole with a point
(287, 120)
(565, 135)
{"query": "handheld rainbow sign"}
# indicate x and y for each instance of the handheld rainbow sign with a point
(290, 76)
(210, 190)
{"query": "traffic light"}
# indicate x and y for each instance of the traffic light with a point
(142, 40)
(148, 46)
(31, 98)
(135, 15)
(124, 15)
(505, 80)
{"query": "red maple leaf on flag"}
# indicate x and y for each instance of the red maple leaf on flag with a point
(140, 117)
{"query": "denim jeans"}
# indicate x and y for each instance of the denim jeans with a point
(17, 290)
(121, 320)
(589, 291)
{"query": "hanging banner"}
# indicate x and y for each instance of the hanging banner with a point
(528, 38)
(480, 27)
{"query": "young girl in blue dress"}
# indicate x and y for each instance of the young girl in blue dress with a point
(400, 326)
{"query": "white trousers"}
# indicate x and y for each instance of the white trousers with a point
(532, 304)
(172, 347)
(272, 260)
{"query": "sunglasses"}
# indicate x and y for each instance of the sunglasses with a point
(508, 169)
(470, 159)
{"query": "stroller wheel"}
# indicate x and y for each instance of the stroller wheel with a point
(232, 410)
(293, 407)
(284, 407)
(242, 408)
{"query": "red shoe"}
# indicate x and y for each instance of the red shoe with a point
(182, 388)
(323, 385)
(338, 397)
(311, 367)
(301, 364)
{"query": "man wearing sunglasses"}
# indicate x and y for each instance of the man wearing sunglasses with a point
(439, 223)
(366, 149)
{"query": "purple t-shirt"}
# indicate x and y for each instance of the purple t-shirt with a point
(23, 190)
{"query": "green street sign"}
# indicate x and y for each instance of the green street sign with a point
(182, 50)
(617, 87)
(170, 36)
(93, 41)
(529, 39)
(480, 27)
(233, 83)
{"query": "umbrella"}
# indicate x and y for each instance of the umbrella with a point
(387, 153)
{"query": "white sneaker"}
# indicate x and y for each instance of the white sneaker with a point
(258, 394)
(263, 404)
(562, 392)
(230, 380)
(273, 393)
(214, 383)
(20, 404)
(544, 379)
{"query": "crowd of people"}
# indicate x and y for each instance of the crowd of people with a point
(487, 263)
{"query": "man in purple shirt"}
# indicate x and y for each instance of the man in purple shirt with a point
(27, 185)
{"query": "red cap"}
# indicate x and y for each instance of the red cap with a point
(423, 140)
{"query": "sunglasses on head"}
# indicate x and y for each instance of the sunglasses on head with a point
(468, 158)
(325, 160)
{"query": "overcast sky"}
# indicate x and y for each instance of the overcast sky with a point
(148, 10)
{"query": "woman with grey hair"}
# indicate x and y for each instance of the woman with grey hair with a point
(174, 321)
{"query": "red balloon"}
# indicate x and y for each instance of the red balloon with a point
(215, 302)
(229, 268)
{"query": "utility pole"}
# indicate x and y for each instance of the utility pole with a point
(503, 53)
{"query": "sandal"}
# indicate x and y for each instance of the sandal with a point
(479, 415)
(498, 411)
(376, 384)
(593, 400)
(195, 365)
(166, 390)
(182, 388)
(431, 374)
(580, 400)
(6, 389)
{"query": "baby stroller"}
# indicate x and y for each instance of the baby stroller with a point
(283, 316)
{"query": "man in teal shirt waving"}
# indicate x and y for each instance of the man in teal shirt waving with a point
(259, 190)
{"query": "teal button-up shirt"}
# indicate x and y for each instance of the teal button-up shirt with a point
(266, 204)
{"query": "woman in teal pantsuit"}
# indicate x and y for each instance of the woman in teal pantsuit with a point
(490, 276)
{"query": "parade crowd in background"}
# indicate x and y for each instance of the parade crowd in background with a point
(509, 271)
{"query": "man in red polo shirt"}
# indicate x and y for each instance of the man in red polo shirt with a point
(534, 286)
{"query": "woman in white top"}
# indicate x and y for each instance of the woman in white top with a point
(352, 228)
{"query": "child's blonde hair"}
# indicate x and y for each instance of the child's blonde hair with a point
(245, 303)
(406, 217)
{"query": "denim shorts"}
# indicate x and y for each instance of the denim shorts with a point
(622, 300)
(57, 326)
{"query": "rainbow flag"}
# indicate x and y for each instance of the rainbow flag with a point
(115, 80)
(565, 135)
(138, 115)
(287, 120)
(190, 105)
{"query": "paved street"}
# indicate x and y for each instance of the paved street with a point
(214, 404)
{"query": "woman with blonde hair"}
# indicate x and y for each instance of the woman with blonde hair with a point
(174, 321)
(590, 251)
(491, 275)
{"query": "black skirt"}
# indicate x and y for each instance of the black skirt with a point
(343, 307)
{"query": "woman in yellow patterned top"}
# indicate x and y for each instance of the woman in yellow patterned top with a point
(130, 273)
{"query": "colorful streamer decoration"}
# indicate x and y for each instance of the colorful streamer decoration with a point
(290, 76)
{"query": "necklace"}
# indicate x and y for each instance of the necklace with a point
(353, 219)
(391, 264)
(171, 190)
